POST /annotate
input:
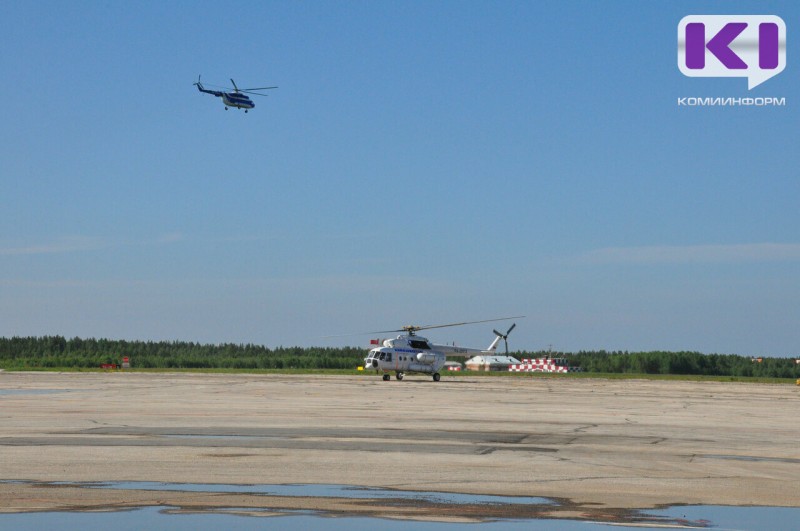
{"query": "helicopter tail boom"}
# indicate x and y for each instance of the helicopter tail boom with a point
(203, 89)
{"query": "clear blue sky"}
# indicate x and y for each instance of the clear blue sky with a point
(421, 163)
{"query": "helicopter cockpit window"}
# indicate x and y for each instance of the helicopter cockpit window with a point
(416, 343)
(383, 355)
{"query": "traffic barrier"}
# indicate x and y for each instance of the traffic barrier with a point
(552, 365)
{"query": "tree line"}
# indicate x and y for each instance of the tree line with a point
(662, 362)
(59, 352)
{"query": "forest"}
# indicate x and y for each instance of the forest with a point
(58, 352)
(76, 353)
(682, 363)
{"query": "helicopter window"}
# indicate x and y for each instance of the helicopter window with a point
(383, 355)
(388, 356)
(416, 343)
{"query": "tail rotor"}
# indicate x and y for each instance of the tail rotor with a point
(505, 336)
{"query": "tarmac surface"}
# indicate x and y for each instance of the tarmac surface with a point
(597, 447)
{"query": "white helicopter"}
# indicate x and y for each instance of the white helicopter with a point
(414, 354)
(238, 98)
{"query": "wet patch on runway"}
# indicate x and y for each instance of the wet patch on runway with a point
(459, 442)
(214, 506)
(382, 440)
(752, 458)
(323, 491)
(17, 392)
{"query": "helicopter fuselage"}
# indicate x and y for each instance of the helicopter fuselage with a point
(415, 354)
(238, 100)
(405, 354)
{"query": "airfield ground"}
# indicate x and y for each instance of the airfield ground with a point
(598, 446)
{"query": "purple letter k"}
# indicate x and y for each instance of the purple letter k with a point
(718, 45)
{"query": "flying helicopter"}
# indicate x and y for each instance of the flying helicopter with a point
(415, 354)
(238, 98)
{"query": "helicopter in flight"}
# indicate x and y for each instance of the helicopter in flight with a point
(415, 354)
(238, 98)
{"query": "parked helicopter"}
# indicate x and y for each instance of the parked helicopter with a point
(238, 98)
(415, 354)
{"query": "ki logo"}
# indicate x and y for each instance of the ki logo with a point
(751, 46)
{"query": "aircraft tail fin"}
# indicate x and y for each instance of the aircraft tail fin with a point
(493, 347)
(499, 335)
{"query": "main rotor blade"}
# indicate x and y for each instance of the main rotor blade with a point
(217, 86)
(389, 331)
(511, 328)
(251, 92)
(428, 327)
(236, 89)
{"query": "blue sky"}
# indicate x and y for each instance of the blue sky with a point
(421, 163)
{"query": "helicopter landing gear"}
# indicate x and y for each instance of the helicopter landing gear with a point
(399, 376)
(386, 377)
(436, 377)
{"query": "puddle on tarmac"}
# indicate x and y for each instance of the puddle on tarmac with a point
(225, 437)
(217, 517)
(327, 491)
(168, 518)
(8, 392)
(753, 458)
(724, 517)
(165, 518)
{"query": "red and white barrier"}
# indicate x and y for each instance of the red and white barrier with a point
(558, 365)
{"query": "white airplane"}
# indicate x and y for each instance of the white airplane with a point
(414, 354)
